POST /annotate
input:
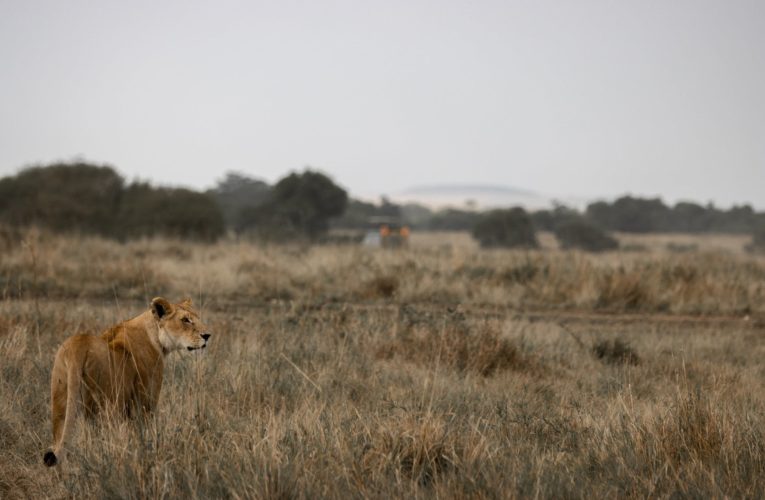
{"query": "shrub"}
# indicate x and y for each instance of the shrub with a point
(632, 215)
(615, 352)
(420, 447)
(681, 247)
(623, 291)
(147, 211)
(10, 237)
(62, 197)
(758, 240)
(509, 228)
(300, 206)
(92, 199)
(236, 192)
(381, 286)
(452, 219)
(466, 348)
(581, 234)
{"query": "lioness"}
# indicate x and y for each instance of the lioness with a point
(120, 370)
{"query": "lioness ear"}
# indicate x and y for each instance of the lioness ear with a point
(160, 307)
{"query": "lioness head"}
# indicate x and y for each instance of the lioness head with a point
(179, 326)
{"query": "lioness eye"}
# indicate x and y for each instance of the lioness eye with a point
(186, 320)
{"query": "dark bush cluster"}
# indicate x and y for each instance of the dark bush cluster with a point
(63, 197)
(514, 228)
(758, 240)
(299, 206)
(511, 228)
(236, 192)
(94, 199)
(583, 235)
(358, 213)
(148, 211)
(642, 215)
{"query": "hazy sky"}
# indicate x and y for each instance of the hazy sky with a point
(581, 98)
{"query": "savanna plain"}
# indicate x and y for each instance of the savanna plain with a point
(436, 371)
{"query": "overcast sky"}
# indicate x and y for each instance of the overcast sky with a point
(580, 98)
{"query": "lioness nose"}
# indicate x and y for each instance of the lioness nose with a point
(206, 336)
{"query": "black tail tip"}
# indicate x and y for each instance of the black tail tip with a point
(50, 458)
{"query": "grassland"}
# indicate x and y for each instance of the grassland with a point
(438, 371)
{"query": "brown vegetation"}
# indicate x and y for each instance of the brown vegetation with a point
(342, 372)
(53, 267)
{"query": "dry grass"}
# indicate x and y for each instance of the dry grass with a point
(46, 267)
(344, 373)
(652, 242)
(449, 339)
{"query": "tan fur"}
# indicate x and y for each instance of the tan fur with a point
(120, 371)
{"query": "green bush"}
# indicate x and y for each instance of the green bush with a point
(509, 228)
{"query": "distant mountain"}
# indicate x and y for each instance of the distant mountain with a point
(475, 196)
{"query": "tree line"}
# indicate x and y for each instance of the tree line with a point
(625, 214)
(85, 198)
(640, 215)
(94, 199)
